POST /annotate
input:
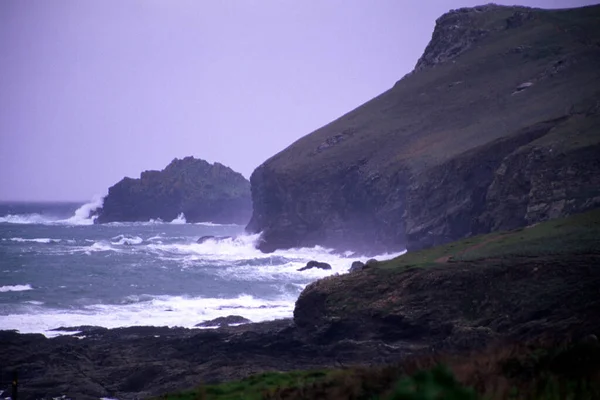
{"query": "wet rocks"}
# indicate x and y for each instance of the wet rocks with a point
(356, 266)
(224, 321)
(315, 264)
(206, 238)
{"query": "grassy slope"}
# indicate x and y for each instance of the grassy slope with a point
(578, 234)
(422, 122)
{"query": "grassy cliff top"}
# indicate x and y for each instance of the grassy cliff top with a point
(577, 234)
(486, 73)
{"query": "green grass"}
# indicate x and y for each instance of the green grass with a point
(509, 372)
(577, 234)
(252, 388)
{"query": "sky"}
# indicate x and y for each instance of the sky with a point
(95, 90)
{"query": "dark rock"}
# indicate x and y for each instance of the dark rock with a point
(315, 264)
(429, 161)
(357, 266)
(224, 321)
(215, 238)
(466, 305)
(200, 191)
(372, 263)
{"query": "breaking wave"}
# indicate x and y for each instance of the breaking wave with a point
(84, 215)
(150, 310)
(179, 220)
(15, 288)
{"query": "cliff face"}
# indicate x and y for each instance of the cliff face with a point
(498, 126)
(202, 191)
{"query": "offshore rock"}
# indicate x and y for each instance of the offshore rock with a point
(202, 192)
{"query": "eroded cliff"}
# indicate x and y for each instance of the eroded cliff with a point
(498, 126)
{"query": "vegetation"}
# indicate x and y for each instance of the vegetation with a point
(577, 234)
(537, 371)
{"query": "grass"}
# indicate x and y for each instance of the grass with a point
(536, 371)
(577, 234)
(253, 387)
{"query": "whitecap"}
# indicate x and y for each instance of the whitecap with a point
(15, 288)
(126, 240)
(180, 220)
(35, 240)
(169, 311)
(214, 224)
(26, 219)
(84, 215)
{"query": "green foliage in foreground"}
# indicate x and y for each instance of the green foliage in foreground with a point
(569, 372)
(252, 388)
(577, 234)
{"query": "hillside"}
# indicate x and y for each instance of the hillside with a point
(497, 127)
(201, 191)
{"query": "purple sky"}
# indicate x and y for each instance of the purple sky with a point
(94, 90)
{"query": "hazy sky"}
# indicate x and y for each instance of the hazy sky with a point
(94, 90)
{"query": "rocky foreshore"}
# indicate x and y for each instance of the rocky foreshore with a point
(138, 362)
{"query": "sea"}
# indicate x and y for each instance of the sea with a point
(59, 269)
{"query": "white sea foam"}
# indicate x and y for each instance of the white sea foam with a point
(151, 310)
(15, 288)
(180, 220)
(126, 240)
(82, 216)
(213, 224)
(26, 219)
(97, 246)
(35, 240)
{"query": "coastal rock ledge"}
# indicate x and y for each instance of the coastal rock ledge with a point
(202, 192)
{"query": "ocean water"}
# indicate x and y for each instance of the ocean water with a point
(59, 269)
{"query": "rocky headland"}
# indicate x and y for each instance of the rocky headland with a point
(201, 191)
(497, 127)
(495, 130)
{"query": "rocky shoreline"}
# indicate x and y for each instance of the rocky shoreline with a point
(138, 362)
(372, 317)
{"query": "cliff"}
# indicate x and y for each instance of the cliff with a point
(199, 190)
(498, 126)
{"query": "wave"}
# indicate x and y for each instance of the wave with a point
(15, 288)
(35, 240)
(180, 220)
(84, 215)
(238, 258)
(147, 310)
(25, 219)
(127, 240)
(214, 224)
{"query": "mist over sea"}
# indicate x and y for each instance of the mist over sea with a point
(59, 269)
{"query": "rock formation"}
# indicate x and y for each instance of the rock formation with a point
(497, 127)
(192, 187)
(315, 264)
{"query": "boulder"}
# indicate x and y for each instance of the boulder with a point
(315, 264)
(371, 263)
(357, 266)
